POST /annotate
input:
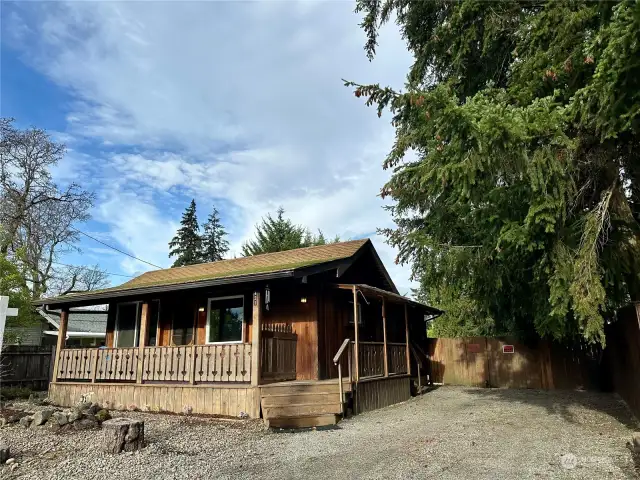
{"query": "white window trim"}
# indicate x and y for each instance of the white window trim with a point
(116, 335)
(209, 300)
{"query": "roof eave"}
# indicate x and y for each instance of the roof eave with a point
(90, 297)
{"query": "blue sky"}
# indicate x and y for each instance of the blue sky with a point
(238, 105)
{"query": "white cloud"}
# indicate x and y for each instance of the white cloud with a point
(240, 103)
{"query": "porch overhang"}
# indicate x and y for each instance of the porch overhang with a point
(390, 296)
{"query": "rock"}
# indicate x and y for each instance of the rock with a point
(60, 418)
(14, 466)
(93, 409)
(40, 417)
(243, 415)
(10, 461)
(26, 421)
(5, 454)
(3, 422)
(635, 442)
(74, 414)
(123, 434)
(87, 423)
(103, 415)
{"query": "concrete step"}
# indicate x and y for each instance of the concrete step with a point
(303, 421)
(301, 410)
(284, 399)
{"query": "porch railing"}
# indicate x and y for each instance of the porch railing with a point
(371, 358)
(184, 364)
(397, 354)
(278, 355)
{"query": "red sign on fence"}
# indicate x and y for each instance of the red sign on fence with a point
(508, 349)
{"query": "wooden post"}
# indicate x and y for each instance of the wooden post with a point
(94, 366)
(356, 335)
(145, 316)
(256, 333)
(192, 372)
(62, 339)
(406, 327)
(384, 333)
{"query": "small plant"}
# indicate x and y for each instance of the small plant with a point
(13, 393)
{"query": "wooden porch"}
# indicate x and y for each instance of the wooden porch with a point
(256, 378)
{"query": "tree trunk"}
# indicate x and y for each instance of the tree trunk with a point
(123, 434)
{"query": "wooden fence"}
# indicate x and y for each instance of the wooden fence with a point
(230, 363)
(278, 355)
(622, 355)
(26, 366)
(494, 362)
(397, 358)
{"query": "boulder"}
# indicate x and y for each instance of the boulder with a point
(40, 417)
(5, 454)
(86, 423)
(74, 414)
(3, 422)
(26, 421)
(93, 409)
(123, 434)
(635, 442)
(60, 418)
(103, 415)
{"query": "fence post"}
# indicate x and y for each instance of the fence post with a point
(356, 333)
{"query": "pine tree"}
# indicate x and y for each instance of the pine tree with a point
(275, 235)
(186, 245)
(214, 244)
(520, 209)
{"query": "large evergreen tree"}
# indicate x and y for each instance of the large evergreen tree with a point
(186, 245)
(520, 210)
(278, 234)
(214, 243)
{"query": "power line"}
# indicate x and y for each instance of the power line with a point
(93, 269)
(114, 248)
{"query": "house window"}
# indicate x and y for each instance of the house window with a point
(351, 313)
(225, 319)
(127, 323)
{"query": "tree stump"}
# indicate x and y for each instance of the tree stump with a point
(123, 434)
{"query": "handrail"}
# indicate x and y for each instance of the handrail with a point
(337, 356)
(336, 361)
(418, 362)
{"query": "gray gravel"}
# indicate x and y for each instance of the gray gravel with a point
(449, 432)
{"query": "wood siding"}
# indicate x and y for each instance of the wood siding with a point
(379, 393)
(206, 400)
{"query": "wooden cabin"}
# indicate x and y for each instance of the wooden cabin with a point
(297, 337)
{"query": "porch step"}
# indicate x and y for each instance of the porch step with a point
(301, 410)
(295, 387)
(303, 421)
(302, 404)
(283, 399)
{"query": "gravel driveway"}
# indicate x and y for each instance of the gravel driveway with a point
(450, 432)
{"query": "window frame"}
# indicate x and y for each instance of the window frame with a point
(360, 318)
(116, 332)
(244, 322)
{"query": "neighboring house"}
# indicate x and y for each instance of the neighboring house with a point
(268, 335)
(85, 328)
